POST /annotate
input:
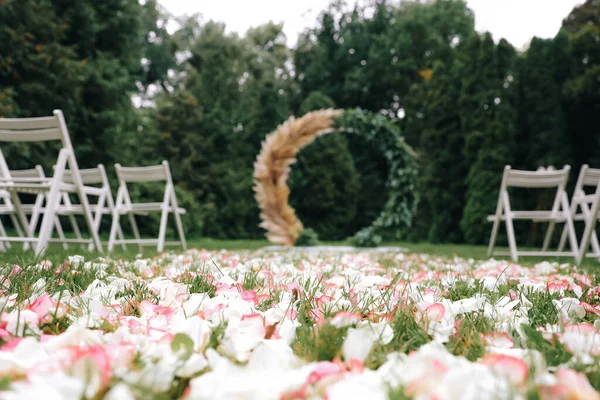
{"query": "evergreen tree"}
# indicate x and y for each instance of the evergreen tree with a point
(443, 167)
(582, 90)
(38, 72)
(79, 56)
(488, 123)
(541, 128)
(416, 122)
(467, 105)
(267, 84)
(232, 91)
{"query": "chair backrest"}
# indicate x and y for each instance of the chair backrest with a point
(30, 129)
(43, 129)
(37, 172)
(6, 173)
(154, 173)
(540, 179)
(89, 176)
(587, 177)
(536, 179)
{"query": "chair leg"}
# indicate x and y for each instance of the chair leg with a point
(493, 236)
(584, 209)
(595, 244)
(548, 237)
(35, 215)
(162, 233)
(136, 232)
(573, 239)
(113, 231)
(510, 230)
(61, 233)
(111, 208)
(496, 225)
(90, 223)
(121, 237)
(180, 230)
(511, 240)
(97, 218)
(563, 239)
(594, 240)
(17, 226)
(22, 220)
(590, 226)
(116, 215)
(564, 202)
(3, 245)
(76, 229)
(47, 220)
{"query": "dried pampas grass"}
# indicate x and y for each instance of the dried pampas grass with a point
(272, 168)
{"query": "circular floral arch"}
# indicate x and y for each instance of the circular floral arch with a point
(278, 153)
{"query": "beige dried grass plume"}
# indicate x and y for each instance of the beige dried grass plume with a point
(272, 168)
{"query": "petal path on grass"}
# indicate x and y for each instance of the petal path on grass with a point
(278, 325)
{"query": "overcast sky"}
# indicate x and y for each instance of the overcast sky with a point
(515, 20)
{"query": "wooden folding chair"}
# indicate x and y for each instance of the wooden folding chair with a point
(588, 177)
(44, 129)
(124, 206)
(560, 212)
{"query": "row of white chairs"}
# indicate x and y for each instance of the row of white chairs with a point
(53, 194)
(583, 207)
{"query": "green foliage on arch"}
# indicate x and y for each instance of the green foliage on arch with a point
(324, 181)
(397, 215)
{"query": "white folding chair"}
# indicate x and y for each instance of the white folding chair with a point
(589, 177)
(90, 176)
(124, 206)
(7, 208)
(560, 212)
(43, 129)
(36, 209)
(104, 205)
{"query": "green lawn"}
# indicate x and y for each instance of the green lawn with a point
(447, 250)
(18, 256)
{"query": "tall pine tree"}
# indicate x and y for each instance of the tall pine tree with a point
(443, 166)
(488, 119)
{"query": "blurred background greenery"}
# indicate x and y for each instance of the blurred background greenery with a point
(204, 99)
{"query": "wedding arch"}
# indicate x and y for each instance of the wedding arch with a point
(279, 150)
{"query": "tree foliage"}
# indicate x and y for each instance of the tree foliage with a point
(324, 183)
(133, 92)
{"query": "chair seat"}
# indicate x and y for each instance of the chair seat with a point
(78, 209)
(31, 186)
(583, 199)
(581, 217)
(7, 209)
(145, 207)
(532, 215)
(68, 210)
